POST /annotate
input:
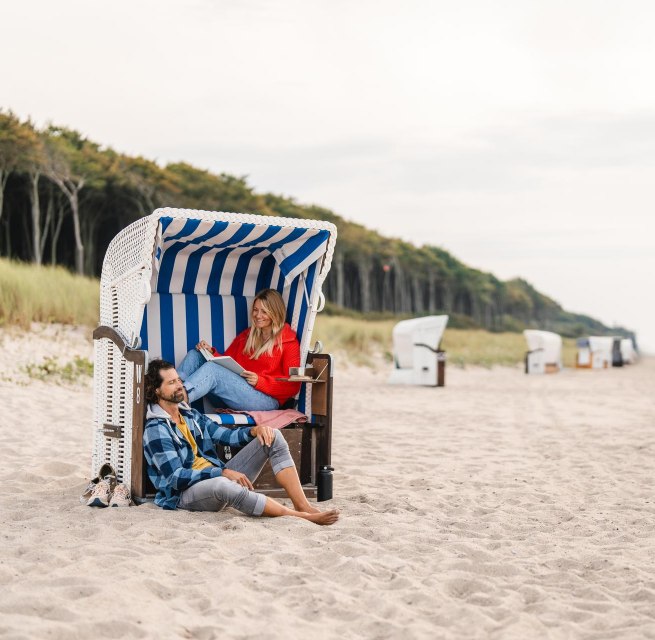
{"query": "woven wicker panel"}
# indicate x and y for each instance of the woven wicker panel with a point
(125, 276)
(113, 382)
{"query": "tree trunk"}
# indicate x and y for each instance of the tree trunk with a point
(338, 263)
(79, 247)
(432, 293)
(46, 223)
(4, 176)
(417, 307)
(88, 232)
(406, 293)
(56, 230)
(25, 247)
(475, 307)
(448, 298)
(386, 290)
(365, 284)
(488, 316)
(72, 190)
(398, 288)
(36, 216)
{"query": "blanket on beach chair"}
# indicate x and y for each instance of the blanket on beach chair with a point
(276, 419)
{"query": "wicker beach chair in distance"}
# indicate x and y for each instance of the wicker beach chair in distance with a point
(544, 354)
(417, 354)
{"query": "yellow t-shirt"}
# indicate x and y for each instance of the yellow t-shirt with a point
(198, 461)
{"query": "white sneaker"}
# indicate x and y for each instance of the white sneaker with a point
(121, 496)
(105, 470)
(100, 494)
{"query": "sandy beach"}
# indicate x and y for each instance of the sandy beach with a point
(501, 506)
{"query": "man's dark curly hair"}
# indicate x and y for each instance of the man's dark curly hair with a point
(153, 378)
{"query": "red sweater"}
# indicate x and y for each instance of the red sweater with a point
(268, 367)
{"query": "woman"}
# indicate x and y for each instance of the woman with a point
(265, 350)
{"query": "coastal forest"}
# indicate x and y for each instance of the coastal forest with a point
(63, 198)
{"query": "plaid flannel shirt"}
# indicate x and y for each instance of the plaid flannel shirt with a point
(170, 457)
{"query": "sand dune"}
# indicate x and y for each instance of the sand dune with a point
(502, 506)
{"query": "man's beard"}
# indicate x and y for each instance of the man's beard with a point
(176, 397)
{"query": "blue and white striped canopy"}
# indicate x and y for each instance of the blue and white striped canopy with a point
(226, 258)
(206, 273)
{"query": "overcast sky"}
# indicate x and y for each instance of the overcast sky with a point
(519, 135)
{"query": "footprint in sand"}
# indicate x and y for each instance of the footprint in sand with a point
(57, 469)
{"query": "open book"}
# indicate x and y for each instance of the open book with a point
(225, 361)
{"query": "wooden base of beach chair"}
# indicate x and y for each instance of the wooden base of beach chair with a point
(310, 444)
(299, 438)
(441, 368)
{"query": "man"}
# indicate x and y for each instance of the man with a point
(180, 448)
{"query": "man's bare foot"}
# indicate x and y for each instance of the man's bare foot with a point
(322, 517)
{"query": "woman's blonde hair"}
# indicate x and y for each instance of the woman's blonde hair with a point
(274, 306)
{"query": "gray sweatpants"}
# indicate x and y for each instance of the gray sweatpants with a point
(217, 493)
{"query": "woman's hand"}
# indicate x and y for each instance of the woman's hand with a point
(264, 434)
(251, 377)
(239, 478)
(203, 344)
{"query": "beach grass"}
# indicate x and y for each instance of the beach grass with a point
(29, 293)
(360, 339)
(483, 348)
(363, 339)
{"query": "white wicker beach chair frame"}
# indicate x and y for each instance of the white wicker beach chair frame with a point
(124, 291)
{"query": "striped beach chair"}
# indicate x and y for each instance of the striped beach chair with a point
(180, 275)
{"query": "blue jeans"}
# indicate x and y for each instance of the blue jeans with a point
(217, 493)
(223, 387)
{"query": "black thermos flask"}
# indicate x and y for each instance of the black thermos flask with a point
(324, 491)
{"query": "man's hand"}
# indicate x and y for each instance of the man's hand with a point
(264, 434)
(239, 478)
(251, 377)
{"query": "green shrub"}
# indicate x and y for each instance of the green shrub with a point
(50, 369)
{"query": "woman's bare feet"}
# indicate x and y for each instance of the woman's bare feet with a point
(274, 509)
(306, 507)
(311, 509)
(321, 517)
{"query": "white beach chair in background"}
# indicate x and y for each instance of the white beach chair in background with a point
(617, 354)
(601, 351)
(628, 351)
(178, 276)
(417, 356)
(544, 353)
(583, 355)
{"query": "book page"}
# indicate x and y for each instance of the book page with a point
(225, 361)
